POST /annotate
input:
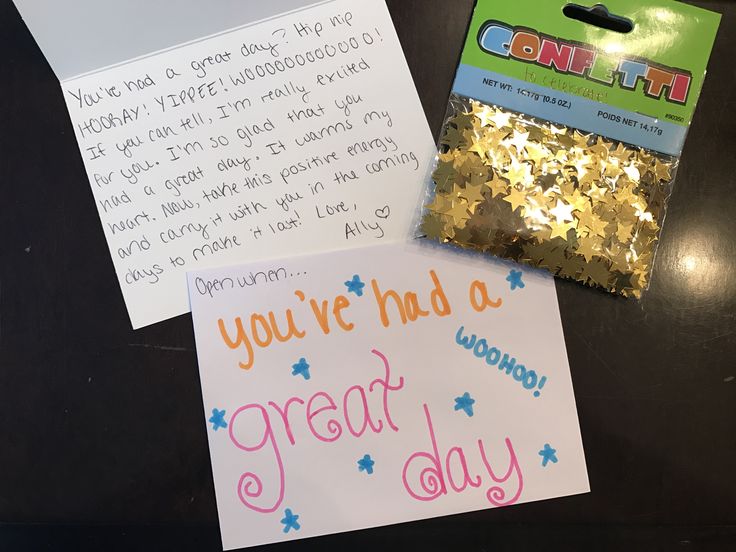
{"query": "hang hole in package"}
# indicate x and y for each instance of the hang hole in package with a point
(564, 132)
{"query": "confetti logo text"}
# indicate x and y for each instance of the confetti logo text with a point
(584, 60)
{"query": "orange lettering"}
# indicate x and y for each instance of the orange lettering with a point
(413, 309)
(440, 304)
(479, 297)
(293, 331)
(409, 306)
(383, 299)
(258, 319)
(242, 339)
(341, 303)
(321, 315)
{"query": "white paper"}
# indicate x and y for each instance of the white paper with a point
(301, 133)
(522, 411)
(80, 36)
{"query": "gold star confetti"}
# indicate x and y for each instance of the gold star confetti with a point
(624, 231)
(589, 247)
(497, 186)
(436, 226)
(519, 173)
(458, 212)
(580, 205)
(563, 212)
(516, 199)
(519, 140)
(473, 193)
(561, 229)
(439, 204)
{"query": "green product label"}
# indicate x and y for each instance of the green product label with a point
(657, 69)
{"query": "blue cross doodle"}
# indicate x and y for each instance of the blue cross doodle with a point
(290, 521)
(514, 278)
(301, 368)
(366, 464)
(465, 403)
(548, 454)
(218, 419)
(355, 286)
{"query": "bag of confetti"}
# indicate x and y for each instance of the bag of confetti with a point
(564, 131)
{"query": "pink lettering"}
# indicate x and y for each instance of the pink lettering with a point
(285, 416)
(432, 479)
(333, 426)
(250, 485)
(467, 480)
(386, 387)
(496, 494)
(366, 413)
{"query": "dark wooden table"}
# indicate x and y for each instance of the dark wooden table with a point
(102, 445)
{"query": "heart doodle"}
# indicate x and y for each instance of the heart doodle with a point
(383, 213)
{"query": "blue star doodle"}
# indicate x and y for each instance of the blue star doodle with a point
(465, 403)
(366, 464)
(548, 454)
(355, 286)
(514, 278)
(301, 368)
(290, 521)
(218, 419)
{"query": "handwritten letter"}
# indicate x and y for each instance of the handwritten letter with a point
(301, 133)
(369, 387)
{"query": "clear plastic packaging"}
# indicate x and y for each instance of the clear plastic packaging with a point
(577, 204)
(564, 131)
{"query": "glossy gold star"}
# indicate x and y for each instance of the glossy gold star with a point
(597, 226)
(624, 231)
(625, 194)
(536, 153)
(580, 140)
(516, 199)
(439, 204)
(542, 233)
(458, 212)
(498, 186)
(596, 193)
(589, 247)
(571, 267)
(435, 227)
(632, 172)
(596, 273)
(483, 113)
(621, 153)
(578, 201)
(478, 178)
(483, 144)
(518, 140)
(519, 173)
(662, 170)
(452, 138)
(562, 212)
(473, 193)
(445, 175)
(561, 229)
(464, 121)
(501, 119)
